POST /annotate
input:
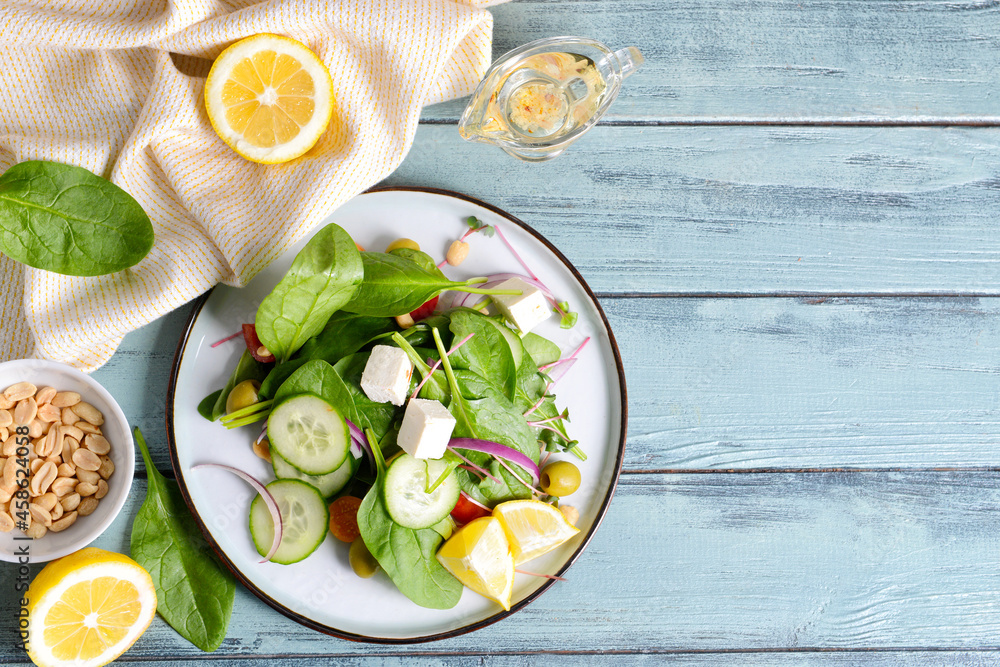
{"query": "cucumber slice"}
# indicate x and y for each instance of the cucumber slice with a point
(309, 433)
(328, 484)
(305, 519)
(408, 503)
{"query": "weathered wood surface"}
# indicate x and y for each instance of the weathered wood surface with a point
(840, 61)
(750, 383)
(749, 210)
(806, 302)
(719, 561)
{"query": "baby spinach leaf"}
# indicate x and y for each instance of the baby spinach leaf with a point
(207, 404)
(422, 258)
(542, 350)
(394, 285)
(322, 278)
(486, 353)
(194, 592)
(408, 556)
(64, 219)
(345, 333)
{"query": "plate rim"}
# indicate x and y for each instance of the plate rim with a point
(199, 305)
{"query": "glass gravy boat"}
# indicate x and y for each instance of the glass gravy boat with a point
(536, 100)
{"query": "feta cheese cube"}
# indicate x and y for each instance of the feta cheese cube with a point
(426, 429)
(524, 311)
(387, 375)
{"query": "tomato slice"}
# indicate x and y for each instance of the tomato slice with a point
(425, 310)
(467, 509)
(254, 344)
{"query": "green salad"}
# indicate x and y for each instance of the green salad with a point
(373, 377)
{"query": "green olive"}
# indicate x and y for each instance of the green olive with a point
(560, 478)
(402, 243)
(243, 395)
(362, 561)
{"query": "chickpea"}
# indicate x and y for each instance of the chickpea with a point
(402, 243)
(560, 479)
(243, 395)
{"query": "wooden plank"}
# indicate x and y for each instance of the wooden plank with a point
(750, 383)
(780, 60)
(809, 383)
(710, 562)
(748, 210)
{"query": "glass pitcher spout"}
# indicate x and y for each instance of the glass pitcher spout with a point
(538, 99)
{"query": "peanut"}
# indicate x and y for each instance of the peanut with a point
(40, 514)
(88, 476)
(86, 489)
(62, 524)
(404, 321)
(102, 489)
(36, 531)
(107, 468)
(97, 443)
(88, 412)
(6, 523)
(86, 459)
(19, 391)
(69, 417)
(45, 395)
(6, 419)
(262, 449)
(70, 502)
(65, 399)
(25, 411)
(48, 501)
(49, 413)
(87, 506)
(457, 252)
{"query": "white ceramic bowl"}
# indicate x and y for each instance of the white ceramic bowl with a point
(116, 430)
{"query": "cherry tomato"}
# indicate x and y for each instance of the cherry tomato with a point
(466, 510)
(425, 310)
(344, 518)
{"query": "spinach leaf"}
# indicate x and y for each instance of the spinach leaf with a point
(408, 556)
(394, 284)
(207, 404)
(320, 378)
(64, 219)
(486, 353)
(344, 334)
(247, 368)
(194, 592)
(542, 350)
(422, 258)
(322, 278)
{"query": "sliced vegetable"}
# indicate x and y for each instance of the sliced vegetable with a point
(407, 498)
(304, 521)
(309, 433)
(266, 497)
(344, 518)
(328, 485)
(499, 451)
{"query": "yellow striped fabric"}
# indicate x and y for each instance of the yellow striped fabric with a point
(116, 87)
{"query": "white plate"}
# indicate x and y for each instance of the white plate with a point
(322, 592)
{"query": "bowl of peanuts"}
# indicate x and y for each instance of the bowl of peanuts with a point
(66, 460)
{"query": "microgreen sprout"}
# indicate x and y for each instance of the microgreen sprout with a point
(435, 365)
(475, 225)
(226, 339)
(478, 469)
(536, 574)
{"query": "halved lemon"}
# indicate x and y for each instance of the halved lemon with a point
(532, 528)
(269, 97)
(478, 555)
(88, 608)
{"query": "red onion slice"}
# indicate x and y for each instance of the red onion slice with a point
(498, 450)
(359, 443)
(272, 506)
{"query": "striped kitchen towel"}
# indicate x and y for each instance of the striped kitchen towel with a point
(116, 87)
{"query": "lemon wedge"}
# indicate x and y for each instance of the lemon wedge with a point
(532, 528)
(88, 608)
(478, 556)
(269, 97)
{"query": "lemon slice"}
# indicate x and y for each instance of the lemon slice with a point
(269, 97)
(88, 608)
(532, 527)
(478, 556)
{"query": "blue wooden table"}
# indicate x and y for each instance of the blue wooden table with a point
(790, 217)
